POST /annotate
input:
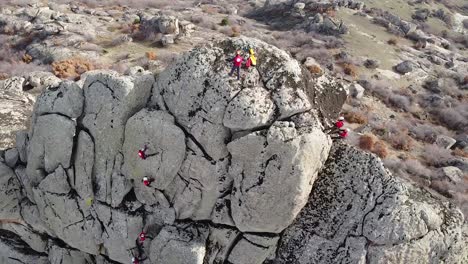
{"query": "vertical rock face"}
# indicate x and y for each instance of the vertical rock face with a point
(232, 165)
(110, 100)
(358, 213)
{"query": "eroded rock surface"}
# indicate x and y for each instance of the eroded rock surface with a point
(359, 213)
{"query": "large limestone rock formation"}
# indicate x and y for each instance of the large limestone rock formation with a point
(233, 164)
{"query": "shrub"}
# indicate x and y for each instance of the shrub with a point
(393, 41)
(367, 142)
(72, 68)
(355, 117)
(460, 153)
(380, 149)
(151, 55)
(349, 69)
(27, 58)
(136, 21)
(236, 30)
(436, 156)
(224, 22)
(314, 69)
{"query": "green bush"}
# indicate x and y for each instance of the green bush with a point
(224, 22)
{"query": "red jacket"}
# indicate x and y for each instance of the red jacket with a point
(147, 182)
(339, 124)
(343, 134)
(238, 60)
(142, 236)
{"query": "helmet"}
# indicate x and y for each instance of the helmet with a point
(145, 178)
(133, 259)
(341, 118)
(347, 129)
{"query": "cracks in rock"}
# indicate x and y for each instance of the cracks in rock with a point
(56, 113)
(106, 86)
(18, 260)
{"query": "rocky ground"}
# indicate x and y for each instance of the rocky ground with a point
(243, 170)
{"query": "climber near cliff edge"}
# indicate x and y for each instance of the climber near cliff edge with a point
(237, 62)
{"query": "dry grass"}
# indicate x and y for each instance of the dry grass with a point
(355, 117)
(72, 68)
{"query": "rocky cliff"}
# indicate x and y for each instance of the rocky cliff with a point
(242, 173)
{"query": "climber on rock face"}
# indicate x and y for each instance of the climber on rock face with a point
(142, 237)
(142, 152)
(337, 126)
(136, 260)
(343, 133)
(252, 60)
(340, 122)
(237, 62)
(147, 181)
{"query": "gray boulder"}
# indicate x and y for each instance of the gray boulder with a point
(371, 64)
(454, 174)
(356, 91)
(11, 157)
(404, 67)
(271, 178)
(46, 152)
(445, 141)
(375, 217)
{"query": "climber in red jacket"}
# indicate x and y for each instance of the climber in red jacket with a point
(237, 62)
(339, 123)
(342, 133)
(147, 181)
(336, 127)
(142, 152)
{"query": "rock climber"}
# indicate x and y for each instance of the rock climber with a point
(252, 60)
(336, 127)
(142, 152)
(136, 260)
(142, 236)
(147, 181)
(342, 133)
(339, 123)
(237, 62)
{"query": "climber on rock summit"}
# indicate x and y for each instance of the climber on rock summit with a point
(237, 62)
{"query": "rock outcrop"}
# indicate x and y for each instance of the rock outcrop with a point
(359, 213)
(232, 165)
